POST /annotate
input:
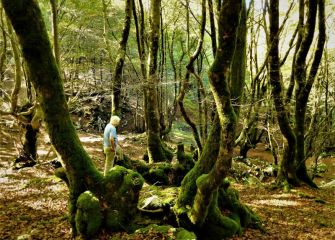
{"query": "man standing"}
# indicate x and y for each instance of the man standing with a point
(111, 142)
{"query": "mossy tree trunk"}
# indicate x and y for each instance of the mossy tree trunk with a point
(204, 195)
(120, 186)
(219, 75)
(156, 150)
(117, 76)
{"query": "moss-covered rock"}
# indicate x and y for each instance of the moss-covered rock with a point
(88, 216)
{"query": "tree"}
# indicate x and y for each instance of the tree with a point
(204, 192)
(293, 168)
(117, 76)
(156, 150)
(304, 81)
(117, 193)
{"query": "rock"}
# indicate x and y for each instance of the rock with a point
(24, 237)
(153, 202)
(329, 185)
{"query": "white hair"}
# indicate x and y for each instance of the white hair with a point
(115, 120)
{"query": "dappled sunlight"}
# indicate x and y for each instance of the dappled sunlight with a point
(45, 204)
(283, 195)
(276, 202)
(41, 152)
(90, 139)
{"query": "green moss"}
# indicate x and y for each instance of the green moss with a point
(229, 199)
(185, 160)
(88, 216)
(113, 220)
(168, 153)
(202, 182)
(121, 197)
(217, 226)
(182, 234)
(165, 230)
(132, 181)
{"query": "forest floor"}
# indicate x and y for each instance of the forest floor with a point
(33, 202)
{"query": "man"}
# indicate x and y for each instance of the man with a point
(111, 145)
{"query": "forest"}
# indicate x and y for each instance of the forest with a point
(222, 115)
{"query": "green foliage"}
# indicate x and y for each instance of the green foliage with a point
(88, 217)
(113, 220)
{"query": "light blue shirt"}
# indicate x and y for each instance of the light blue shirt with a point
(110, 132)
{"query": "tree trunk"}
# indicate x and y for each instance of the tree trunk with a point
(287, 168)
(116, 195)
(156, 150)
(304, 82)
(117, 76)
